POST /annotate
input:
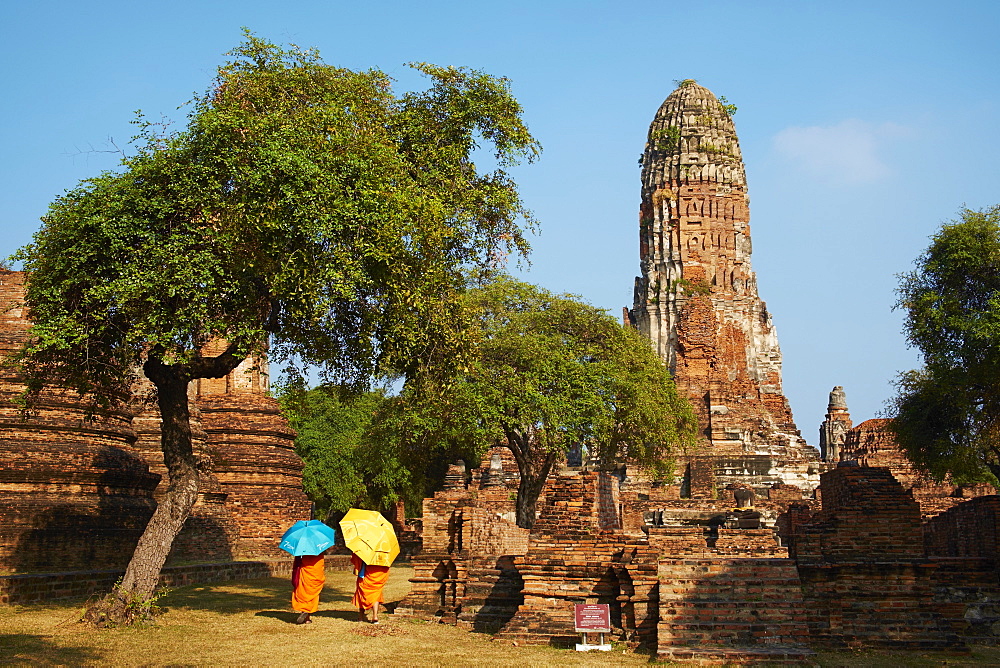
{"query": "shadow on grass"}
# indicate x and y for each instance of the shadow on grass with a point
(349, 615)
(230, 598)
(874, 658)
(290, 617)
(23, 649)
(281, 615)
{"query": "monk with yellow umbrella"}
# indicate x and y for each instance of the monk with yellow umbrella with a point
(373, 541)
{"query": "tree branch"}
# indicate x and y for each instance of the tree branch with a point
(218, 366)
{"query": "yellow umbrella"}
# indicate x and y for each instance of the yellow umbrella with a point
(370, 536)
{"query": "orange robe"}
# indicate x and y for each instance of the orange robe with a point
(368, 591)
(308, 578)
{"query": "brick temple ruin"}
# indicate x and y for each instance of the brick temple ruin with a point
(697, 302)
(762, 548)
(76, 492)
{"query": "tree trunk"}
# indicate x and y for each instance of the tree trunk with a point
(131, 600)
(143, 570)
(528, 491)
(534, 465)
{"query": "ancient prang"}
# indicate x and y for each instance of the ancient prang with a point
(697, 300)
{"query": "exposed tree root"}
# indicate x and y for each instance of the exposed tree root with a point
(120, 609)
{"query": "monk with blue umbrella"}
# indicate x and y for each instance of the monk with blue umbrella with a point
(306, 540)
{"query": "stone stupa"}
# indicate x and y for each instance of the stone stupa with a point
(697, 300)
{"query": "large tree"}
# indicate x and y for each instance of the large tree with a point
(303, 206)
(947, 414)
(549, 372)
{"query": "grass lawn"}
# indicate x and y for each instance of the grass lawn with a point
(250, 623)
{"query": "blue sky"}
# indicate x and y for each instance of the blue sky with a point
(864, 125)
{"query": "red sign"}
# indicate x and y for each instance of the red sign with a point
(593, 618)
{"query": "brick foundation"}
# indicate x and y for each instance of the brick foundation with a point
(76, 490)
(34, 588)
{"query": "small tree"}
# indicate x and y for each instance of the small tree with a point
(550, 371)
(344, 466)
(304, 205)
(329, 422)
(946, 416)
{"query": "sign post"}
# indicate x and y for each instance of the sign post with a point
(592, 618)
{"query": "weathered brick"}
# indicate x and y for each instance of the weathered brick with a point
(76, 491)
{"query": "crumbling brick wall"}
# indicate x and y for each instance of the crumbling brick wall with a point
(963, 543)
(970, 529)
(570, 560)
(866, 515)
(861, 561)
(77, 490)
(464, 573)
(871, 444)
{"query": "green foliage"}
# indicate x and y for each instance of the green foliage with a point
(550, 372)
(418, 446)
(331, 422)
(304, 203)
(947, 415)
(709, 147)
(698, 287)
(939, 429)
(727, 107)
(666, 139)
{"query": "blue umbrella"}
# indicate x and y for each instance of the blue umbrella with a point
(307, 537)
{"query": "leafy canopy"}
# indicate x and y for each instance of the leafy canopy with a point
(303, 203)
(947, 415)
(549, 372)
(342, 468)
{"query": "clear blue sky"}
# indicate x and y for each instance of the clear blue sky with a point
(864, 125)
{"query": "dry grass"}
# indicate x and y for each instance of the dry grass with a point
(251, 624)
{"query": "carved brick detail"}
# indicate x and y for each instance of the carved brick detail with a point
(697, 300)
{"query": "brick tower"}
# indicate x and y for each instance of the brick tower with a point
(833, 431)
(697, 300)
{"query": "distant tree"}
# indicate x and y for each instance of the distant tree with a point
(550, 371)
(304, 206)
(344, 465)
(946, 416)
(330, 422)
